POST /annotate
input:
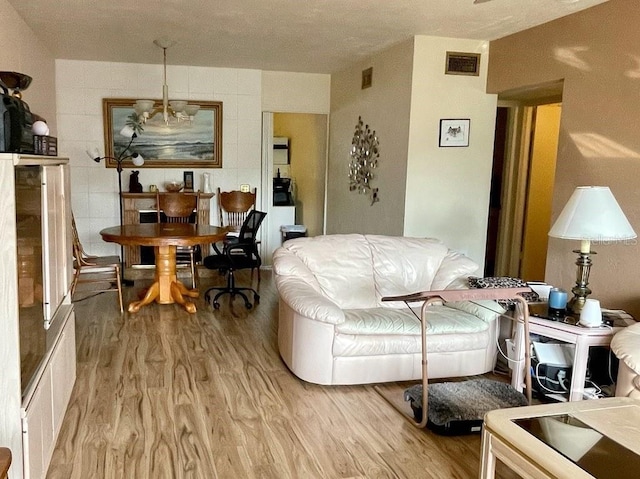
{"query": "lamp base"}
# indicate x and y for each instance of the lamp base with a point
(581, 289)
(576, 304)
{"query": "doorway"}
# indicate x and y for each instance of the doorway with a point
(523, 177)
(306, 164)
(307, 134)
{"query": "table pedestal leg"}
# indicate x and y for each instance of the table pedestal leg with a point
(151, 294)
(165, 272)
(166, 288)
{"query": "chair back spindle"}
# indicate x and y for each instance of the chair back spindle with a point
(178, 208)
(234, 206)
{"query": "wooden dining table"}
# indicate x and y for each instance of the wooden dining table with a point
(165, 238)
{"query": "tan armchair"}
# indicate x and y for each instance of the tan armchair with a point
(626, 346)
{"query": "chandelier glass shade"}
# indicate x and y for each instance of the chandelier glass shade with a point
(178, 110)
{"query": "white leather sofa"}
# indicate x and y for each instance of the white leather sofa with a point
(626, 346)
(333, 327)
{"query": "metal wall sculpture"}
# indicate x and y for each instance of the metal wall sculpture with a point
(364, 159)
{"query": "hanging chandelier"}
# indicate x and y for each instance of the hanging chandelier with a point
(179, 110)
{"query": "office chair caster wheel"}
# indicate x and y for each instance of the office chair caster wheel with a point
(247, 305)
(256, 298)
(216, 305)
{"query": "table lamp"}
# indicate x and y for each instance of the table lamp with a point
(591, 214)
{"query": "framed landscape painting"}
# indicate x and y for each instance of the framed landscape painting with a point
(193, 143)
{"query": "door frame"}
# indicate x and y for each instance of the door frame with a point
(521, 103)
(268, 174)
(514, 190)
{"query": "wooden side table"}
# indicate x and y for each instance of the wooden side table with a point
(583, 338)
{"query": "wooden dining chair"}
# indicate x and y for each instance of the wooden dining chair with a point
(99, 270)
(234, 206)
(233, 209)
(180, 208)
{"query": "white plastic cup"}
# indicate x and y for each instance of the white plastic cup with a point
(591, 314)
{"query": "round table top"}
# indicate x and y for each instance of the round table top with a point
(163, 234)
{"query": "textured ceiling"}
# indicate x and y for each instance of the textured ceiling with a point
(287, 35)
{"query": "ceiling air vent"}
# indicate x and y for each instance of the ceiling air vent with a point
(462, 64)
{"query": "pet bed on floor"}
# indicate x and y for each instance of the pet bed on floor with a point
(457, 408)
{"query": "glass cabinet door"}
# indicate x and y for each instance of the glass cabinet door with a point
(28, 187)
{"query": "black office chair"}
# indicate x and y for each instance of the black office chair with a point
(238, 253)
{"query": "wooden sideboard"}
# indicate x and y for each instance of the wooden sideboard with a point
(134, 203)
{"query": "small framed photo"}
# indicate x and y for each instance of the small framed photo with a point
(454, 132)
(188, 181)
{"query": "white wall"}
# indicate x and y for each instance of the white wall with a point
(22, 52)
(447, 189)
(81, 86)
(295, 92)
(385, 107)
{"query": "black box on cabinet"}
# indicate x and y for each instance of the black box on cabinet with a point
(45, 145)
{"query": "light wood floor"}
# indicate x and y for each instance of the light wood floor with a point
(166, 394)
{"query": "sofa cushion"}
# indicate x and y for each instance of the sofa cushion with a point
(342, 267)
(453, 268)
(355, 271)
(404, 265)
(377, 331)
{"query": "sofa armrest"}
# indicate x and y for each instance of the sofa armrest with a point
(307, 302)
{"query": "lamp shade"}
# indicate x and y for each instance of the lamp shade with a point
(127, 131)
(137, 159)
(592, 213)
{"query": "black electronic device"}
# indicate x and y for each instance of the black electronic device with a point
(16, 135)
(282, 191)
(541, 310)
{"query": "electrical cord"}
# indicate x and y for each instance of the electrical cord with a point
(561, 382)
(609, 368)
(93, 295)
(598, 392)
(505, 356)
(549, 380)
(562, 376)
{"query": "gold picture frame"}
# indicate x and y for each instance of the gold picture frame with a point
(193, 143)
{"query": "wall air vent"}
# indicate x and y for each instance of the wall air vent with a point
(462, 64)
(367, 78)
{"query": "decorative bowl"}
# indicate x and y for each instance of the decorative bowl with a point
(173, 186)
